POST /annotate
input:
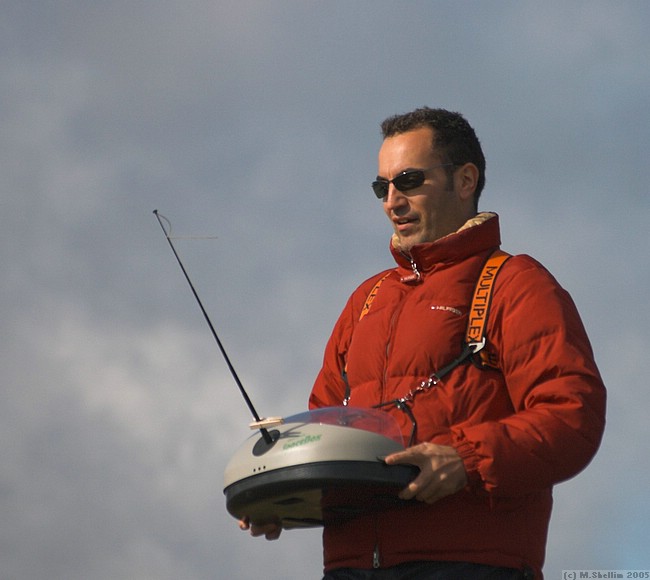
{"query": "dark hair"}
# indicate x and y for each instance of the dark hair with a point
(453, 137)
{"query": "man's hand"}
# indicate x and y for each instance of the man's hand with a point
(442, 472)
(269, 531)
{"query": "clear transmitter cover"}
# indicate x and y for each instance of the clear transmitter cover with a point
(372, 420)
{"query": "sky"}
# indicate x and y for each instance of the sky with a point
(253, 126)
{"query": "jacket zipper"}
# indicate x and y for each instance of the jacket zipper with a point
(375, 557)
(412, 279)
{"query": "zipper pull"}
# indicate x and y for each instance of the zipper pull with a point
(375, 557)
(415, 277)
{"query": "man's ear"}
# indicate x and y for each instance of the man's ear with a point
(466, 180)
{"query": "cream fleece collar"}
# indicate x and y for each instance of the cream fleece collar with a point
(478, 219)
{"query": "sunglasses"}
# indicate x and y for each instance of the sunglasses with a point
(405, 181)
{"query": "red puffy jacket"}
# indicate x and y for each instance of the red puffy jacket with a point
(532, 423)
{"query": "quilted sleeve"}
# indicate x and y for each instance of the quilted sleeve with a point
(553, 382)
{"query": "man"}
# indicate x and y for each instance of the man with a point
(490, 440)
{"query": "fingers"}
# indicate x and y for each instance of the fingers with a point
(442, 472)
(270, 531)
(399, 457)
(429, 488)
(420, 455)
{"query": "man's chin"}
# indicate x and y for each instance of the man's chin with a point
(405, 243)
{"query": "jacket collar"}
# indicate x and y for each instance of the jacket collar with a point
(478, 234)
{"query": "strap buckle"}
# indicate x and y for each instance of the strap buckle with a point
(477, 345)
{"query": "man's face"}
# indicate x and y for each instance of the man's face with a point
(430, 211)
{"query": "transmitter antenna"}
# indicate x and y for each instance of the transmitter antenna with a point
(267, 436)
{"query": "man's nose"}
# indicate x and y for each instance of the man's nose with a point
(394, 198)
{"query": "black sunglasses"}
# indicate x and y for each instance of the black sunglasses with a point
(405, 181)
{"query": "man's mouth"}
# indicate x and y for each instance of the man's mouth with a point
(403, 223)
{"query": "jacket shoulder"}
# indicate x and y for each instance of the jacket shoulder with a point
(366, 287)
(521, 267)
